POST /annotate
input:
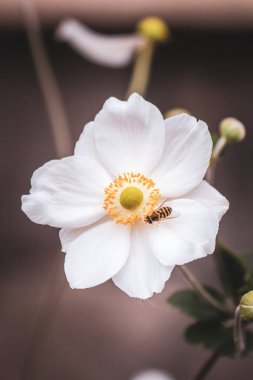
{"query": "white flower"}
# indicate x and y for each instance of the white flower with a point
(125, 164)
(152, 374)
(112, 51)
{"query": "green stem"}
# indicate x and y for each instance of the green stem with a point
(208, 365)
(218, 149)
(201, 290)
(141, 72)
(238, 332)
(47, 81)
(63, 147)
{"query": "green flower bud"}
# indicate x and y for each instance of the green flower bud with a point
(175, 111)
(232, 129)
(154, 28)
(246, 306)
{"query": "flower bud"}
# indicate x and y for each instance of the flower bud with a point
(154, 28)
(232, 129)
(246, 306)
(175, 111)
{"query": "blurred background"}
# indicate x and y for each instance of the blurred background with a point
(100, 333)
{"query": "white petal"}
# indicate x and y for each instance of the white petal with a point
(142, 275)
(185, 238)
(68, 235)
(67, 193)
(209, 197)
(85, 146)
(129, 135)
(186, 155)
(95, 255)
(112, 51)
(152, 374)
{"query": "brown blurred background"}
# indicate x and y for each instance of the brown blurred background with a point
(100, 333)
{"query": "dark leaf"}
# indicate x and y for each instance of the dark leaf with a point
(210, 334)
(214, 335)
(235, 275)
(190, 303)
(228, 347)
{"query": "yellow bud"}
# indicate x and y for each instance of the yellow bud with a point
(176, 111)
(154, 28)
(232, 129)
(131, 197)
(246, 306)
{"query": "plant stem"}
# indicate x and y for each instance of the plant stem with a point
(141, 71)
(218, 149)
(47, 81)
(63, 146)
(201, 290)
(238, 332)
(201, 374)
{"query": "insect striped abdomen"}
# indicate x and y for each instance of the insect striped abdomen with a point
(157, 215)
(164, 212)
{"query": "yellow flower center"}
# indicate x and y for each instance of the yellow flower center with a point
(130, 198)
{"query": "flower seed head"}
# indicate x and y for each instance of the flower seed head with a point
(232, 129)
(131, 197)
(246, 306)
(154, 28)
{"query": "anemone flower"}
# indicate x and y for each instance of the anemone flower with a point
(131, 202)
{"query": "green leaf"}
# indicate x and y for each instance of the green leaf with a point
(228, 348)
(190, 303)
(235, 275)
(213, 335)
(210, 334)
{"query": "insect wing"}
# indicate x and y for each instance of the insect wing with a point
(174, 214)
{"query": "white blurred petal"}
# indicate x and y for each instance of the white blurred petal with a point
(112, 51)
(152, 374)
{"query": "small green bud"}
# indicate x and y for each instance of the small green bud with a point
(154, 28)
(176, 111)
(246, 306)
(232, 129)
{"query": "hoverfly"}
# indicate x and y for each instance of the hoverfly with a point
(161, 213)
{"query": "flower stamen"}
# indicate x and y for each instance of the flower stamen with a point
(130, 197)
